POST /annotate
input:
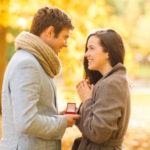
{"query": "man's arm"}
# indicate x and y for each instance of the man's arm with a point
(25, 93)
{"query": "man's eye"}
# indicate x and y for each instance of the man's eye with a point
(66, 37)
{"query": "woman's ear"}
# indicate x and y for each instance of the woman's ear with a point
(107, 55)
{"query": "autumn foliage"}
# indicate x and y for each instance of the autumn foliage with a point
(130, 18)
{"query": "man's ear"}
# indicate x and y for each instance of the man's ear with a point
(50, 31)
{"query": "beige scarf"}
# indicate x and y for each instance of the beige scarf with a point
(45, 55)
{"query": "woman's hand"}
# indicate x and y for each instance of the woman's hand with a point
(84, 90)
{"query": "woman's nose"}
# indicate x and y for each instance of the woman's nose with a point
(86, 54)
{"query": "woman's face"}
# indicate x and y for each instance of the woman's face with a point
(97, 58)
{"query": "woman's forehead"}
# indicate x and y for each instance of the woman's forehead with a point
(93, 40)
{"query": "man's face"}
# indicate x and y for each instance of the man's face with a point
(59, 41)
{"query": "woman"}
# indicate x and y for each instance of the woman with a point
(104, 93)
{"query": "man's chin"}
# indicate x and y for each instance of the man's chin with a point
(58, 51)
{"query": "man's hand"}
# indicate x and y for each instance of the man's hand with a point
(71, 119)
(62, 112)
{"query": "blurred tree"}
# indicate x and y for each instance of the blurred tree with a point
(140, 38)
(118, 7)
(90, 15)
(87, 16)
(133, 24)
(14, 14)
(4, 5)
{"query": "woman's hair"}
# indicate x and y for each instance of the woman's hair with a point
(112, 43)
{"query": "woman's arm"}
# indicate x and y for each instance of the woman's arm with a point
(100, 116)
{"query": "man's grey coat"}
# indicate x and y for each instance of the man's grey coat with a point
(29, 107)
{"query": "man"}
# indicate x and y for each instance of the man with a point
(30, 120)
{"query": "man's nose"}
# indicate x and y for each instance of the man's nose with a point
(65, 44)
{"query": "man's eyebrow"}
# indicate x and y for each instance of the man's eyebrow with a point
(66, 35)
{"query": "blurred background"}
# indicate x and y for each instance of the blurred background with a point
(130, 18)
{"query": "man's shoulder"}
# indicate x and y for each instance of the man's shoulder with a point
(22, 60)
(24, 57)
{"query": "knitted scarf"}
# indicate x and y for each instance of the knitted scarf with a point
(45, 55)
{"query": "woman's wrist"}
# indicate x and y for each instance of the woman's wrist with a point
(85, 99)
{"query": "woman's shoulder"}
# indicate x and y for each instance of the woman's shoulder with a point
(114, 86)
(113, 79)
(115, 82)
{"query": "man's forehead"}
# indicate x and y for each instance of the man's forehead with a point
(66, 31)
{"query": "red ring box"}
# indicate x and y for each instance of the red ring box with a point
(71, 108)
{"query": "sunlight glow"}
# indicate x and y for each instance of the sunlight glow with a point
(22, 22)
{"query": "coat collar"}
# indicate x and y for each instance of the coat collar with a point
(116, 68)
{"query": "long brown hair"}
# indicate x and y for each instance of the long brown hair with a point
(112, 43)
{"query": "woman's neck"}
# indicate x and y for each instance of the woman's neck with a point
(105, 69)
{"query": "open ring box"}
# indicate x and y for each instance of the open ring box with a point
(71, 108)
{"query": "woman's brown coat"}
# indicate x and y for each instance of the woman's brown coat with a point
(104, 117)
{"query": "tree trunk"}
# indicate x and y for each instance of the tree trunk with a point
(2, 56)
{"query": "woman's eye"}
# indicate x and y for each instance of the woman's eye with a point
(92, 48)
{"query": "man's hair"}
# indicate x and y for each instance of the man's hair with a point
(50, 16)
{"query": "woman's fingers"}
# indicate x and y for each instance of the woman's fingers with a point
(91, 86)
(86, 84)
(87, 81)
(80, 83)
(83, 84)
